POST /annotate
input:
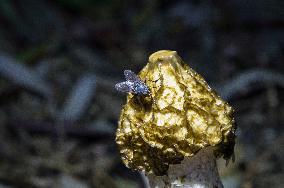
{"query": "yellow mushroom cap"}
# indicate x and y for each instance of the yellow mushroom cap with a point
(181, 116)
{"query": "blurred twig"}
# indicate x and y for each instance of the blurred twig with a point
(23, 76)
(79, 99)
(250, 80)
(71, 131)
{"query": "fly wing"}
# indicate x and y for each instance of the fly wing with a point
(123, 87)
(131, 76)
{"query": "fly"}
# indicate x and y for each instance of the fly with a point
(133, 84)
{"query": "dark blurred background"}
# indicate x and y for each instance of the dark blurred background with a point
(60, 59)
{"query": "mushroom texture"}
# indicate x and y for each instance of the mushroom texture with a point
(181, 116)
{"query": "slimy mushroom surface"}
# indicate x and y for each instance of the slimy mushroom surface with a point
(179, 117)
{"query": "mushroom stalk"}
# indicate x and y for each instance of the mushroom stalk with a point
(198, 171)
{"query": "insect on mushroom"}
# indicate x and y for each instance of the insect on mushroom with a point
(132, 84)
(137, 87)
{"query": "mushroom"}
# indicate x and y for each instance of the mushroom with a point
(175, 133)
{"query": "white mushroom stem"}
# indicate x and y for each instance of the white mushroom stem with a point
(198, 171)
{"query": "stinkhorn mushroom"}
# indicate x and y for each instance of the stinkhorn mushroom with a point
(174, 130)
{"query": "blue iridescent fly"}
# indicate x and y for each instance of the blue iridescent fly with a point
(133, 84)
